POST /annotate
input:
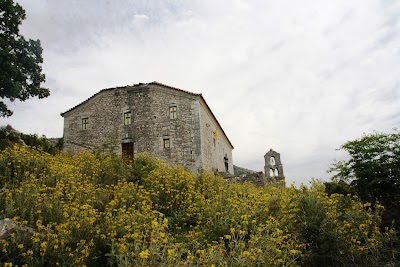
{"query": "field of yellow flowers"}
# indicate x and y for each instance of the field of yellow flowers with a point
(98, 210)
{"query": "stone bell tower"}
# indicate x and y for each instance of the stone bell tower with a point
(273, 167)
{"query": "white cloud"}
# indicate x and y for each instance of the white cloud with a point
(301, 77)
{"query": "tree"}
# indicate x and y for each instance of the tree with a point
(20, 59)
(373, 170)
(338, 187)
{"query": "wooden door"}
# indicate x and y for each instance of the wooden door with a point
(127, 150)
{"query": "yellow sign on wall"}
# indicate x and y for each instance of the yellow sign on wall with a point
(215, 134)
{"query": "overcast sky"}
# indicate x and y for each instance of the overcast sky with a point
(300, 77)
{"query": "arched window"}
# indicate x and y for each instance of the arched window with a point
(271, 173)
(272, 161)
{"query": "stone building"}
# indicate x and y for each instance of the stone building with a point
(273, 167)
(171, 124)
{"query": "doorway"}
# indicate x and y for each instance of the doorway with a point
(127, 150)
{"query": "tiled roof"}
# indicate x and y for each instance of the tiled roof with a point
(158, 84)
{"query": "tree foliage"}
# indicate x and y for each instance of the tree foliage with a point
(49, 145)
(373, 169)
(338, 187)
(20, 59)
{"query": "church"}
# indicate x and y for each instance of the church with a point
(171, 124)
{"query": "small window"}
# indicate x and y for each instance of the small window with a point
(85, 123)
(127, 118)
(172, 112)
(167, 143)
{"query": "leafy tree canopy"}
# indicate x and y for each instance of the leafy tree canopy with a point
(373, 169)
(20, 59)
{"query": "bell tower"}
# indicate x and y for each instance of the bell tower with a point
(273, 168)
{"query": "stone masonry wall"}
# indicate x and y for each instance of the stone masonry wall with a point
(105, 120)
(152, 124)
(273, 168)
(213, 151)
(190, 133)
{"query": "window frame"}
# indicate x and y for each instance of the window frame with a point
(127, 119)
(85, 123)
(166, 143)
(173, 112)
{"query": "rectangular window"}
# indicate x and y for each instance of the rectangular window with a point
(167, 143)
(127, 118)
(172, 112)
(85, 123)
(127, 150)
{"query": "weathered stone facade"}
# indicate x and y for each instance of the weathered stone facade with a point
(273, 167)
(169, 123)
(256, 178)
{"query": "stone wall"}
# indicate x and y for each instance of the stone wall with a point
(190, 134)
(273, 168)
(105, 121)
(152, 124)
(256, 178)
(213, 149)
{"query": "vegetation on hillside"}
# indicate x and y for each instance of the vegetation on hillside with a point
(10, 136)
(238, 171)
(372, 172)
(98, 210)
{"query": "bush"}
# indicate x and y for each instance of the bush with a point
(99, 210)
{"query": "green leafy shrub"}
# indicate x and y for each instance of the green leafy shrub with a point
(87, 209)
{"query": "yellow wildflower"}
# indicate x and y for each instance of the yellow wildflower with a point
(245, 254)
(144, 254)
